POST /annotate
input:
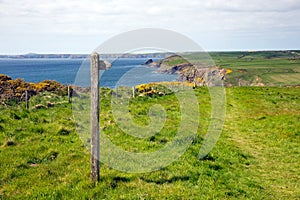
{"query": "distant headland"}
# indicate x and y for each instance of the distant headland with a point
(82, 56)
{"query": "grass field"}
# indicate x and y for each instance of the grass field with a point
(256, 157)
(270, 68)
(286, 78)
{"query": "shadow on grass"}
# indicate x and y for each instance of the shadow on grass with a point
(117, 180)
(167, 180)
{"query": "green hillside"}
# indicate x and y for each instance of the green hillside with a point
(273, 68)
(256, 157)
(256, 68)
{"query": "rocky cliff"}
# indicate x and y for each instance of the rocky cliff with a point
(188, 72)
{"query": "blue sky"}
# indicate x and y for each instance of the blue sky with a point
(62, 26)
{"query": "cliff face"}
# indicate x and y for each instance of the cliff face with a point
(203, 76)
(188, 72)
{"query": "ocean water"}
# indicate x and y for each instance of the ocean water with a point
(124, 71)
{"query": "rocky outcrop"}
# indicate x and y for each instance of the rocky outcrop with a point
(148, 62)
(200, 76)
(104, 65)
(176, 69)
(188, 72)
(4, 77)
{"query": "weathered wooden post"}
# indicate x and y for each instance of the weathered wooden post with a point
(133, 91)
(96, 65)
(26, 99)
(69, 94)
(95, 136)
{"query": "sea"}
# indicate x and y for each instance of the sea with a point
(124, 71)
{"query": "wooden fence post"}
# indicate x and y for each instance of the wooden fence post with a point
(133, 91)
(69, 94)
(26, 99)
(95, 135)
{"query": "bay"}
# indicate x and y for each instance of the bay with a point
(124, 71)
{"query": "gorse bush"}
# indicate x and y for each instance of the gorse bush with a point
(161, 88)
(13, 91)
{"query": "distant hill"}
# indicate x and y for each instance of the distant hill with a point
(293, 54)
(34, 55)
(83, 56)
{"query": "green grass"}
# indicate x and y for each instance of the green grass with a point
(285, 78)
(256, 157)
(251, 68)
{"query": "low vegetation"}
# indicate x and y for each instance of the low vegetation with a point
(161, 88)
(256, 157)
(13, 91)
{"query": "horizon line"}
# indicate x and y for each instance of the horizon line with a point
(80, 53)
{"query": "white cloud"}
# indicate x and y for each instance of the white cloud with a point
(103, 18)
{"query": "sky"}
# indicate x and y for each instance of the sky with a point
(77, 26)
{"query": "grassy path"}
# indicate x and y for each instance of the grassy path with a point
(256, 157)
(268, 129)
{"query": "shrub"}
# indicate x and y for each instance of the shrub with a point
(63, 131)
(1, 128)
(10, 143)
